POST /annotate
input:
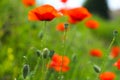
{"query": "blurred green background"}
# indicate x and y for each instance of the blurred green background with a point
(19, 37)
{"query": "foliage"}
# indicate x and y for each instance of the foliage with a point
(20, 41)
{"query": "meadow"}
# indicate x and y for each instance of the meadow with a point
(38, 50)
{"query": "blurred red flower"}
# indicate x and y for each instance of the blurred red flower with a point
(117, 64)
(107, 76)
(96, 53)
(64, 1)
(61, 27)
(72, 21)
(59, 63)
(115, 51)
(78, 14)
(93, 24)
(28, 2)
(63, 11)
(43, 13)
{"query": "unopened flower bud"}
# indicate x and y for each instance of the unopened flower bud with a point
(40, 35)
(115, 32)
(74, 57)
(66, 26)
(96, 68)
(46, 52)
(26, 70)
(51, 53)
(38, 52)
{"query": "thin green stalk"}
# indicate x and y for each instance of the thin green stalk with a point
(64, 42)
(45, 42)
(45, 33)
(36, 68)
(64, 48)
(46, 70)
(42, 68)
(97, 78)
(107, 58)
(113, 40)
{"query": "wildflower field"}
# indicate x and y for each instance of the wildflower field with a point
(39, 42)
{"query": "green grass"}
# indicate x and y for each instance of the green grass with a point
(22, 37)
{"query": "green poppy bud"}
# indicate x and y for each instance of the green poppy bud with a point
(40, 35)
(26, 70)
(39, 53)
(66, 26)
(46, 52)
(97, 69)
(115, 32)
(51, 53)
(74, 57)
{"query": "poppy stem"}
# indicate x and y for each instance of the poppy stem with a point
(43, 68)
(44, 40)
(45, 32)
(64, 48)
(65, 37)
(97, 78)
(113, 40)
(106, 62)
(64, 41)
(36, 67)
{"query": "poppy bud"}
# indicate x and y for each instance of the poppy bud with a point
(51, 53)
(40, 35)
(26, 70)
(46, 52)
(74, 57)
(38, 52)
(66, 26)
(115, 32)
(97, 69)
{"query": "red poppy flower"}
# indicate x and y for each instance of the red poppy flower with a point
(60, 27)
(96, 53)
(63, 1)
(63, 11)
(117, 64)
(72, 21)
(115, 51)
(78, 14)
(107, 76)
(28, 2)
(43, 13)
(59, 63)
(92, 24)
